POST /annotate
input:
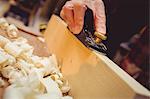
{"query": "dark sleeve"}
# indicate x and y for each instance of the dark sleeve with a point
(59, 6)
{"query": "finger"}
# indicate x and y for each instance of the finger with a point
(100, 17)
(79, 12)
(67, 13)
(90, 4)
(62, 15)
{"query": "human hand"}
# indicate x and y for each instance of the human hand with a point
(73, 13)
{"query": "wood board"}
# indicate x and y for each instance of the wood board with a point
(91, 75)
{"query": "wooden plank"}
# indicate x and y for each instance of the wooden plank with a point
(91, 76)
(22, 27)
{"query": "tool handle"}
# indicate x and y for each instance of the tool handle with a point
(89, 21)
(87, 27)
(90, 27)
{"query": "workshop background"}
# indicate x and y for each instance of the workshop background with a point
(127, 29)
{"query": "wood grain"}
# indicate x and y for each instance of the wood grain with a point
(91, 76)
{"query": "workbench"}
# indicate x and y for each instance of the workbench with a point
(91, 75)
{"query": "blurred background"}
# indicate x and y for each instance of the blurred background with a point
(127, 29)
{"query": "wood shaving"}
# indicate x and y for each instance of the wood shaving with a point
(26, 72)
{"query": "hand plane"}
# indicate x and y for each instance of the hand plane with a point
(88, 36)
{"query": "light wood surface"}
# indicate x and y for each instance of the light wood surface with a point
(30, 30)
(91, 75)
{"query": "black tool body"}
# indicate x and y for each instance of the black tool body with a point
(86, 36)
